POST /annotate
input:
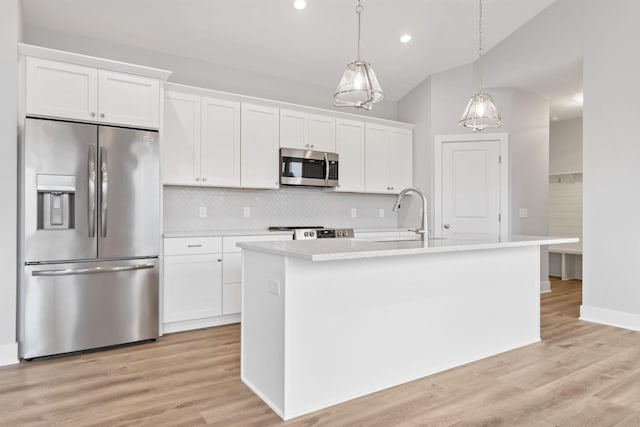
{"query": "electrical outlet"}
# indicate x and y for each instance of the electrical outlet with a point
(203, 212)
(354, 212)
(381, 213)
(524, 213)
(247, 212)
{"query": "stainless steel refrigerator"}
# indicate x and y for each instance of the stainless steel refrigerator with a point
(90, 237)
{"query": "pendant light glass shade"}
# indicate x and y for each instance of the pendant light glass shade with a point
(359, 86)
(481, 113)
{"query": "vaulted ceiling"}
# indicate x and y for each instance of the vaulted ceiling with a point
(310, 46)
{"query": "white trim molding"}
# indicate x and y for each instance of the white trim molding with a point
(609, 317)
(8, 354)
(503, 139)
(545, 286)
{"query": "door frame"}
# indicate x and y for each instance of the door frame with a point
(503, 139)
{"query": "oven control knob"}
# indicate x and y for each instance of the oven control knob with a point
(311, 234)
(306, 234)
(339, 233)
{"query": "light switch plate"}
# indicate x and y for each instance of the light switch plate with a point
(274, 287)
(203, 212)
(381, 213)
(354, 212)
(524, 213)
(247, 212)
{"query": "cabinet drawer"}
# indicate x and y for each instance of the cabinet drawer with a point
(192, 245)
(229, 243)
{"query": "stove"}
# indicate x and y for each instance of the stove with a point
(315, 232)
(323, 233)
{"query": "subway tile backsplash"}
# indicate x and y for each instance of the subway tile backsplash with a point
(286, 206)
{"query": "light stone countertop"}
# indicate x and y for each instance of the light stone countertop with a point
(341, 249)
(265, 232)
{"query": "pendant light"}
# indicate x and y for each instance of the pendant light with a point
(359, 86)
(481, 112)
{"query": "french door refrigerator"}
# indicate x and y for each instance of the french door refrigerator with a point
(89, 238)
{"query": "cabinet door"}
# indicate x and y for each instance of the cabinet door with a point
(400, 160)
(192, 287)
(180, 145)
(377, 159)
(58, 89)
(350, 148)
(293, 130)
(220, 143)
(259, 142)
(322, 133)
(129, 100)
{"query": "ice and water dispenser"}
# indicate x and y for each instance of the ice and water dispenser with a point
(56, 198)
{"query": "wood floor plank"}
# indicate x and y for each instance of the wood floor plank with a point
(580, 374)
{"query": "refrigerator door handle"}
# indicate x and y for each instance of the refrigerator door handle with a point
(95, 270)
(104, 190)
(92, 191)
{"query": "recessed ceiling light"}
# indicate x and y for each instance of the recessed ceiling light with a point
(300, 4)
(405, 38)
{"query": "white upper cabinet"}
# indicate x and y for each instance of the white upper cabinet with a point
(220, 142)
(201, 141)
(401, 159)
(305, 131)
(180, 145)
(259, 143)
(58, 89)
(350, 148)
(79, 92)
(322, 133)
(388, 159)
(128, 100)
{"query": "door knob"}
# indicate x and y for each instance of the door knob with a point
(447, 226)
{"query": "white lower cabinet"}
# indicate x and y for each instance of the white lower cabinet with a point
(202, 283)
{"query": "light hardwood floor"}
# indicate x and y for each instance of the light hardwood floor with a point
(581, 374)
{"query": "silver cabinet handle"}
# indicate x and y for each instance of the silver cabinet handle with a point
(194, 246)
(92, 114)
(94, 270)
(102, 115)
(104, 191)
(326, 169)
(447, 226)
(92, 191)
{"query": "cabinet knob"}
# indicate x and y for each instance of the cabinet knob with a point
(198, 179)
(204, 179)
(312, 145)
(102, 115)
(92, 114)
(447, 226)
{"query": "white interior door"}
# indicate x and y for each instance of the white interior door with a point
(470, 187)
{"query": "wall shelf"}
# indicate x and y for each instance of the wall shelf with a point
(570, 177)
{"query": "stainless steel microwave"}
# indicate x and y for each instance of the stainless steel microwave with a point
(308, 168)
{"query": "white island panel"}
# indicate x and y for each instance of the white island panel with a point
(345, 328)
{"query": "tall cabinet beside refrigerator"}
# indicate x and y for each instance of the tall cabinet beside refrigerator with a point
(90, 237)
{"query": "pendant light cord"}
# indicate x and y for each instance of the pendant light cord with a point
(359, 9)
(480, 50)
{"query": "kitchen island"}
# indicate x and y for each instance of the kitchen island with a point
(328, 320)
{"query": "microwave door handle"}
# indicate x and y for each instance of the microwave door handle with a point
(92, 191)
(326, 170)
(104, 191)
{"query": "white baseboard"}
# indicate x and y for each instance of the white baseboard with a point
(605, 316)
(188, 325)
(545, 286)
(9, 354)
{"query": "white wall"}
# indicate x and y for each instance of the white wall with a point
(10, 29)
(204, 74)
(565, 146)
(611, 157)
